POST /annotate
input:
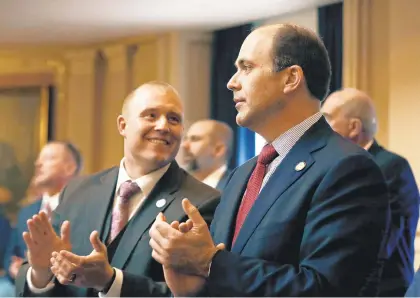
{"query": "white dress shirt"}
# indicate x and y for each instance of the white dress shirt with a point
(214, 178)
(284, 143)
(51, 201)
(146, 184)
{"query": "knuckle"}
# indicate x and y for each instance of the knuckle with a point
(167, 244)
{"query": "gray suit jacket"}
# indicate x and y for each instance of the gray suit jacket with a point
(86, 204)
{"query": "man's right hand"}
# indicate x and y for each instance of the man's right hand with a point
(183, 285)
(42, 241)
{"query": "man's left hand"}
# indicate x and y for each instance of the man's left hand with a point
(188, 253)
(15, 266)
(92, 271)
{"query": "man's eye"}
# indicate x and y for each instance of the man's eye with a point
(150, 116)
(174, 120)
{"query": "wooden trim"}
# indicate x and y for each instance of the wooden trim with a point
(26, 80)
(43, 117)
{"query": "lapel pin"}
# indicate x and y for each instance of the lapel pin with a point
(300, 166)
(160, 203)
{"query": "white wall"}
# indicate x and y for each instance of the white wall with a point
(307, 18)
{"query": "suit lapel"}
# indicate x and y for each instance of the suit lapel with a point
(222, 182)
(286, 174)
(165, 189)
(36, 207)
(100, 197)
(232, 196)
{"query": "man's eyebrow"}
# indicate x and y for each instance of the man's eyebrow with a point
(241, 62)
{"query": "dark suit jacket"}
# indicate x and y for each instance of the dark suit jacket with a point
(404, 194)
(86, 205)
(222, 182)
(316, 231)
(16, 245)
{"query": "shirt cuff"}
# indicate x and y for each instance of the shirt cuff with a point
(34, 289)
(115, 289)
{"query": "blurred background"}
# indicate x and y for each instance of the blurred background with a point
(66, 66)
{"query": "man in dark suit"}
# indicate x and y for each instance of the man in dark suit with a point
(57, 163)
(352, 114)
(206, 151)
(309, 215)
(119, 205)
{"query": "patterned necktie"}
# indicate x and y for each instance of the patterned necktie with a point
(121, 210)
(267, 155)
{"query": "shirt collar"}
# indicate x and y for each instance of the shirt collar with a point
(368, 145)
(284, 143)
(146, 182)
(52, 201)
(215, 176)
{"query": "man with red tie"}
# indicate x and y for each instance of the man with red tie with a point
(309, 216)
(101, 225)
(56, 165)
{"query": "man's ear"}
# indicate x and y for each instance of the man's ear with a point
(355, 128)
(219, 150)
(121, 125)
(294, 76)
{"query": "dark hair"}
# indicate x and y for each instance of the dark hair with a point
(74, 153)
(295, 45)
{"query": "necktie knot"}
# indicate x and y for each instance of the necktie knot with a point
(267, 155)
(127, 190)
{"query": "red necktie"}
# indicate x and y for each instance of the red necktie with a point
(121, 211)
(267, 155)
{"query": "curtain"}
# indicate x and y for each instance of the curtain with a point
(330, 28)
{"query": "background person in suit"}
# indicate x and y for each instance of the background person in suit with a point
(121, 204)
(56, 165)
(207, 148)
(12, 185)
(308, 216)
(351, 113)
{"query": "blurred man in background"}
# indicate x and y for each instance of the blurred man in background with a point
(207, 148)
(56, 165)
(12, 185)
(351, 113)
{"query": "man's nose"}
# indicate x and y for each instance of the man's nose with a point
(162, 124)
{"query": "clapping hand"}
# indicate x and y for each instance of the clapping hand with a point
(41, 241)
(92, 271)
(170, 243)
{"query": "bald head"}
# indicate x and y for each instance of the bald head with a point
(207, 145)
(151, 124)
(151, 89)
(218, 131)
(351, 113)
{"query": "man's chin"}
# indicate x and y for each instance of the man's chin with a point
(241, 120)
(162, 160)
